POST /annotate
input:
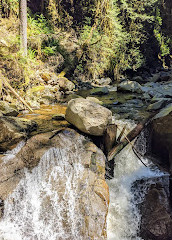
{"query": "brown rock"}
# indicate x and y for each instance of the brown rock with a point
(156, 223)
(162, 140)
(88, 117)
(65, 84)
(85, 164)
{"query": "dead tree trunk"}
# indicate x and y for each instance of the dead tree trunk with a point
(129, 137)
(23, 26)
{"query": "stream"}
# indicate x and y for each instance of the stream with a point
(26, 216)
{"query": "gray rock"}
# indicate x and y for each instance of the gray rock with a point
(105, 81)
(112, 88)
(164, 112)
(130, 86)
(155, 77)
(137, 79)
(157, 99)
(88, 117)
(156, 221)
(99, 91)
(157, 105)
(164, 76)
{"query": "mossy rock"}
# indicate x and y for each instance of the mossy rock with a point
(7, 109)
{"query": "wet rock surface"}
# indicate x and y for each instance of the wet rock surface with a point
(13, 130)
(156, 221)
(91, 191)
(162, 137)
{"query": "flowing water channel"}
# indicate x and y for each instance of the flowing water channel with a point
(27, 218)
(124, 216)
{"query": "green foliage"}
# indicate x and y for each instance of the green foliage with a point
(164, 43)
(8, 7)
(114, 37)
(49, 51)
(111, 35)
(38, 29)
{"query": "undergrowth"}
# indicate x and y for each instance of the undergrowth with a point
(95, 38)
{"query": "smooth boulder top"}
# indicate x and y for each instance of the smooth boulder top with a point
(88, 117)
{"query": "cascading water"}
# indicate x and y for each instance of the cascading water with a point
(26, 215)
(123, 222)
(56, 181)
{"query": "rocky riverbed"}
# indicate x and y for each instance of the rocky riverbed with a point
(90, 111)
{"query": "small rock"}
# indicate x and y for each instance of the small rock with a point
(103, 81)
(164, 76)
(99, 91)
(65, 84)
(155, 77)
(58, 116)
(130, 86)
(7, 109)
(164, 112)
(137, 79)
(112, 88)
(13, 130)
(146, 96)
(157, 105)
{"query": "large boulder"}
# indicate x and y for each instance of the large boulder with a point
(88, 117)
(161, 141)
(156, 220)
(64, 189)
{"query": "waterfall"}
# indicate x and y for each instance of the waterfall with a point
(46, 204)
(56, 181)
(123, 220)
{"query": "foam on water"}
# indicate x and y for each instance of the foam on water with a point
(26, 215)
(123, 219)
(56, 181)
(11, 154)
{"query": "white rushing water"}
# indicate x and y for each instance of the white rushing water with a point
(124, 218)
(54, 180)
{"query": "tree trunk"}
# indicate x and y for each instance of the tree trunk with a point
(42, 6)
(23, 26)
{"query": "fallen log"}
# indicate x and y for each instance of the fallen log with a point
(109, 138)
(121, 134)
(6, 84)
(128, 138)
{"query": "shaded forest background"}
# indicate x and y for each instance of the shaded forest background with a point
(85, 39)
